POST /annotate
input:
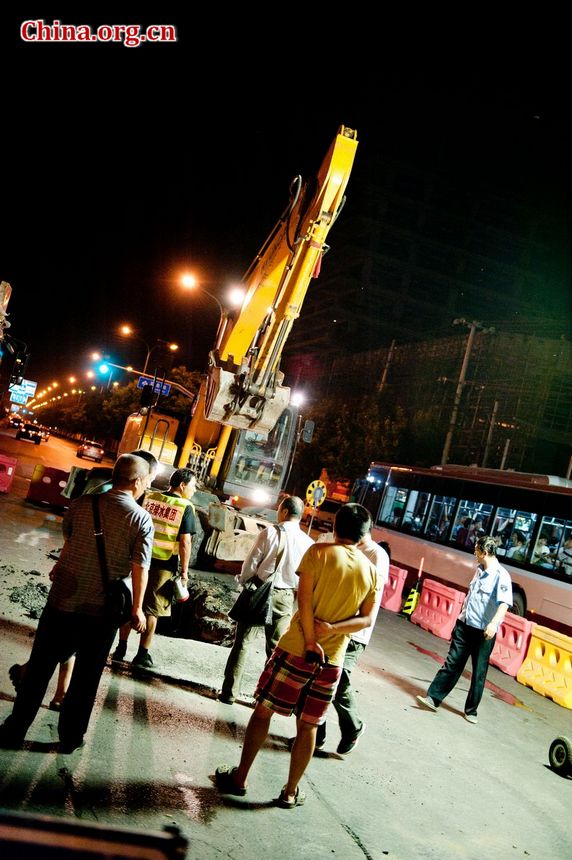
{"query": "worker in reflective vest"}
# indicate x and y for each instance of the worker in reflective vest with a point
(174, 519)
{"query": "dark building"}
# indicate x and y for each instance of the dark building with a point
(418, 248)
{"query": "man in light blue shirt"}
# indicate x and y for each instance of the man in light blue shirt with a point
(484, 607)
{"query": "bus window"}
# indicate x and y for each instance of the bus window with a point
(415, 511)
(551, 537)
(512, 530)
(471, 522)
(393, 506)
(440, 516)
(563, 553)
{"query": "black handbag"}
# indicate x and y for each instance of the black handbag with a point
(253, 605)
(118, 592)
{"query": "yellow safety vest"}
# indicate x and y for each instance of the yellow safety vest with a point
(167, 514)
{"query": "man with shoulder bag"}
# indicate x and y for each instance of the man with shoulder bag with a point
(275, 554)
(75, 619)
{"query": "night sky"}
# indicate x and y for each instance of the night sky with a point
(124, 167)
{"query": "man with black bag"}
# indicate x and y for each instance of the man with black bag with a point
(275, 554)
(75, 619)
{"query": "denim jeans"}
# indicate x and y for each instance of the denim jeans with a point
(465, 642)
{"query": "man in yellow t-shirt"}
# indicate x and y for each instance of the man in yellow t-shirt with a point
(337, 594)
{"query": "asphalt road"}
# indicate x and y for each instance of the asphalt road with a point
(419, 785)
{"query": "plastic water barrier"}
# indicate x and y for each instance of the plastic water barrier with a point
(547, 667)
(46, 487)
(438, 608)
(394, 588)
(7, 472)
(511, 645)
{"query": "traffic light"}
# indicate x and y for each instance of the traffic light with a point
(19, 368)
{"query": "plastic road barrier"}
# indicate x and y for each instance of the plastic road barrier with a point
(7, 472)
(438, 608)
(547, 667)
(393, 588)
(511, 645)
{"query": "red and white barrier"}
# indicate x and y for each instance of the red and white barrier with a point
(393, 591)
(511, 645)
(7, 472)
(438, 608)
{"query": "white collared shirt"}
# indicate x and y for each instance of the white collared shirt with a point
(261, 559)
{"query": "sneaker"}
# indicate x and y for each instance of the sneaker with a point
(119, 654)
(226, 700)
(345, 747)
(68, 747)
(471, 718)
(427, 702)
(142, 661)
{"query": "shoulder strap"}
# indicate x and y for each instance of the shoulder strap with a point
(281, 548)
(98, 534)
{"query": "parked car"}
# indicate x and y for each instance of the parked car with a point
(31, 432)
(90, 450)
(324, 516)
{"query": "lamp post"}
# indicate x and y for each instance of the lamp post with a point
(129, 332)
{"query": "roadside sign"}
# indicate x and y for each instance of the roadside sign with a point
(22, 399)
(158, 388)
(316, 493)
(27, 388)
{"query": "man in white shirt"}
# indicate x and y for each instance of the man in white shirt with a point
(261, 562)
(351, 725)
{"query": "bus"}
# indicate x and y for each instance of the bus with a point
(431, 518)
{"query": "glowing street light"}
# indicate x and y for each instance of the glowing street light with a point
(128, 331)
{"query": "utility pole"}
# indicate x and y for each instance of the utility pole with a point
(490, 433)
(383, 379)
(473, 327)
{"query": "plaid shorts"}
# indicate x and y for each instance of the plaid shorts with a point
(289, 685)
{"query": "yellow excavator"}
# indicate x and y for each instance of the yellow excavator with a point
(243, 431)
(243, 386)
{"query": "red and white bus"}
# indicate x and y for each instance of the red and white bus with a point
(432, 517)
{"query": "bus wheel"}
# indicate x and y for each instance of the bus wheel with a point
(560, 756)
(518, 604)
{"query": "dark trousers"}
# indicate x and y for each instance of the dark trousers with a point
(465, 642)
(58, 637)
(344, 700)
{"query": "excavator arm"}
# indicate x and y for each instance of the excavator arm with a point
(244, 383)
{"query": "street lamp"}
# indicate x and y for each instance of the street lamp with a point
(129, 332)
(234, 296)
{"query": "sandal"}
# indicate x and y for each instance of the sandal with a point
(224, 778)
(299, 799)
